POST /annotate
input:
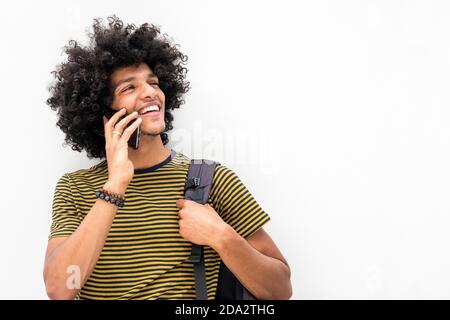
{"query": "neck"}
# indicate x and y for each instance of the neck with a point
(151, 151)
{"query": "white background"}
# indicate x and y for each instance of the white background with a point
(333, 113)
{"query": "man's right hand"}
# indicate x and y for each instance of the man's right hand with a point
(120, 167)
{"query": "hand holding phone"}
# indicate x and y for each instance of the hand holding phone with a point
(135, 137)
(117, 135)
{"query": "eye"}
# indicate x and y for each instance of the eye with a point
(127, 88)
(154, 83)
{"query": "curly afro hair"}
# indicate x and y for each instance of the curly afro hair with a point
(82, 91)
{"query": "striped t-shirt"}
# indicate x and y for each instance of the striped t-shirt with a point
(144, 256)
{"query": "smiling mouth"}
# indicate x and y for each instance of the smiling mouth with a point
(152, 114)
(149, 109)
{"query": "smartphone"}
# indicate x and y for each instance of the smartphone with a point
(135, 137)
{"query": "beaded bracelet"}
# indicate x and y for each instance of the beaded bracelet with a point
(113, 198)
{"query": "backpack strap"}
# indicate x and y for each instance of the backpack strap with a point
(197, 188)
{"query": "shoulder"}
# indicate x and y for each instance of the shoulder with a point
(223, 175)
(98, 170)
(179, 159)
(223, 171)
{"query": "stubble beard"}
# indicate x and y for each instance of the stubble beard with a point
(155, 132)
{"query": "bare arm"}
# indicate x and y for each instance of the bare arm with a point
(256, 262)
(81, 249)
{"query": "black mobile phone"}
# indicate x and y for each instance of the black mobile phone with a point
(135, 136)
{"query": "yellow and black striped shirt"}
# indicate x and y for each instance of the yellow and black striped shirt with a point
(144, 256)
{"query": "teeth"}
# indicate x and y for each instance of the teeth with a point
(147, 109)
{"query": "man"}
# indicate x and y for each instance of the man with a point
(101, 249)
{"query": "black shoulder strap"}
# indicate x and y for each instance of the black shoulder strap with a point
(198, 186)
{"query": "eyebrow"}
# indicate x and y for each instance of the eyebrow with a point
(129, 79)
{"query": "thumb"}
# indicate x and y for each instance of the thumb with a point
(180, 203)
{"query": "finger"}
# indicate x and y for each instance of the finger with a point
(116, 116)
(180, 203)
(129, 131)
(109, 124)
(191, 203)
(121, 125)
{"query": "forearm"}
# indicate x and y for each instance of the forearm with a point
(81, 249)
(265, 277)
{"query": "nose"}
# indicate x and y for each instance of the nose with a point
(148, 91)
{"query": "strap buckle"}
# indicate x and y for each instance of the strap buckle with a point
(196, 253)
(195, 258)
(194, 182)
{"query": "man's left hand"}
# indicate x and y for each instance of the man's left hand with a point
(200, 224)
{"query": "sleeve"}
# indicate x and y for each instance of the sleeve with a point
(65, 218)
(234, 202)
